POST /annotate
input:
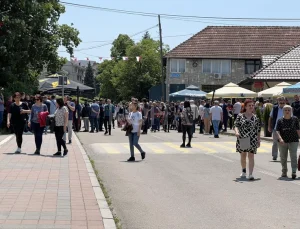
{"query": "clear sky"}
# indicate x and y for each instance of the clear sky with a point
(97, 25)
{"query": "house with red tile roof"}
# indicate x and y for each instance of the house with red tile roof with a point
(218, 55)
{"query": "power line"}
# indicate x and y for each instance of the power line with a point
(147, 14)
(180, 35)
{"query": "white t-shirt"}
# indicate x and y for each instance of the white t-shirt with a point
(237, 108)
(216, 112)
(134, 120)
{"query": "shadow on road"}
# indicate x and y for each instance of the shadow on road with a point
(242, 180)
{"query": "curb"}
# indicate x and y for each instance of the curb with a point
(262, 138)
(107, 216)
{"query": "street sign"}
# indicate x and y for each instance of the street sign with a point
(62, 80)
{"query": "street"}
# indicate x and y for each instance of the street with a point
(192, 188)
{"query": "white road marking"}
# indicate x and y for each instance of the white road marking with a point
(6, 140)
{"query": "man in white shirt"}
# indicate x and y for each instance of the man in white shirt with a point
(201, 114)
(237, 108)
(195, 112)
(216, 115)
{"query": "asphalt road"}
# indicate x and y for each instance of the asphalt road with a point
(192, 188)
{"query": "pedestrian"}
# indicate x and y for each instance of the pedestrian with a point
(187, 121)
(71, 108)
(101, 115)
(76, 116)
(135, 120)
(17, 116)
(216, 115)
(1, 109)
(237, 107)
(195, 112)
(109, 110)
(288, 132)
(37, 123)
(61, 121)
(95, 110)
(247, 131)
(48, 104)
(275, 115)
(86, 113)
(206, 117)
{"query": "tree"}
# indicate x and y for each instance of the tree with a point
(120, 45)
(146, 36)
(89, 79)
(29, 38)
(105, 78)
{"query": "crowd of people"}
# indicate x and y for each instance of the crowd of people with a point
(38, 114)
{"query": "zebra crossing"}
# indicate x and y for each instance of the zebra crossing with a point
(174, 148)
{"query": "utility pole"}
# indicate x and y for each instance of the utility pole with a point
(162, 62)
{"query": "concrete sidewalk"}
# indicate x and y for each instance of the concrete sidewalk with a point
(49, 192)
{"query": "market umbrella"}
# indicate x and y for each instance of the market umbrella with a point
(292, 90)
(232, 90)
(50, 84)
(190, 91)
(273, 91)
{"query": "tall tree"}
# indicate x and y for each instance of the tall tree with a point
(120, 45)
(30, 36)
(89, 79)
(146, 35)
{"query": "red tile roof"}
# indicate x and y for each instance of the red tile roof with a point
(238, 42)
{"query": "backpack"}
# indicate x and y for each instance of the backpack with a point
(187, 117)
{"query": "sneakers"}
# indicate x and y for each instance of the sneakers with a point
(243, 175)
(274, 158)
(70, 141)
(143, 155)
(131, 159)
(18, 151)
(283, 175)
(251, 177)
(37, 152)
(66, 152)
(182, 146)
(188, 145)
(294, 175)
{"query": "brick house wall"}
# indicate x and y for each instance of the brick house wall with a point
(193, 75)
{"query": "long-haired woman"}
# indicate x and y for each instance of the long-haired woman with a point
(34, 122)
(187, 124)
(135, 119)
(247, 131)
(17, 115)
(61, 122)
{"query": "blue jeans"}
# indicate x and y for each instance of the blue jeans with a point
(134, 141)
(216, 126)
(94, 124)
(1, 118)
(38, 134)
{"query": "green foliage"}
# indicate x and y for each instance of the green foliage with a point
(89, 76)
(29, 41)
(267, 112)
(146, 36)
(120, 80)
(120, 46)
(258, 113)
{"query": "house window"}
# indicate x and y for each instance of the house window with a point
(177, 65)
(216, 66)
(252, 66)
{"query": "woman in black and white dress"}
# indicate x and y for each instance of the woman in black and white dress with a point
(247, 131)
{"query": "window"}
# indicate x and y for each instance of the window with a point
(177, 65)
(216, 66)
(252, 66)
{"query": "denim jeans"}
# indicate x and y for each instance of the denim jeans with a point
(284, 150)
(38, 134)
(216, 126)
(1, 118)
(94, 124)
(134, 141)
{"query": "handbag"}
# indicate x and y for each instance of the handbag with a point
(128, 128)
(245, 143)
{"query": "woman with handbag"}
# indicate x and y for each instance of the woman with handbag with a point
(247, 131)
(61, 121)
(134, 125)
(288, 132)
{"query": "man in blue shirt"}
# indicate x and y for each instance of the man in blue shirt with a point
(71, 108)
(95, 109)
(275, 115)
(109, 110)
